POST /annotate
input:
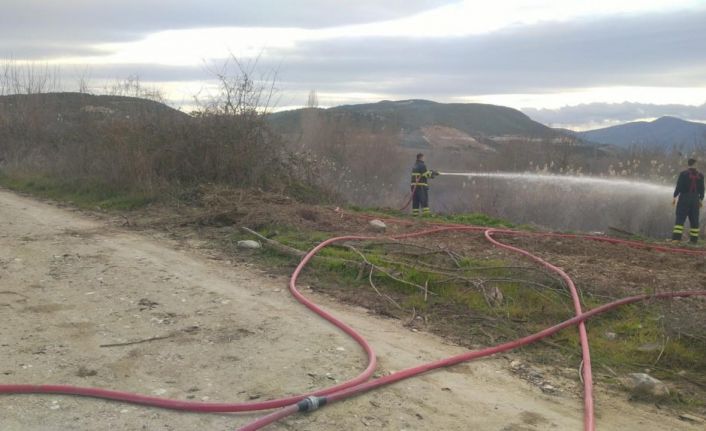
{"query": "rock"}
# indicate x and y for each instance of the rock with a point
(644, 385)
(650, 347)
(378, 225)
(516, 365)
(610, 335)
(85, 372)
(548, 389)
(249, 244)
(494, 296)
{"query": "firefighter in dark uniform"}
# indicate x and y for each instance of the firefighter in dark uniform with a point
(420, 186)
(690, 190)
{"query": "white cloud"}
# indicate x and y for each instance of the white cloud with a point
(473, 17)
(191, 45)
(693, 96)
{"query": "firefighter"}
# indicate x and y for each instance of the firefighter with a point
(690, 190)
(420, 186)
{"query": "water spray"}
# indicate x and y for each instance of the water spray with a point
(565, 179)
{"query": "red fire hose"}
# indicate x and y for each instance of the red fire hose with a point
(589, 422)
(409, 199)
(464, 357)
(311, 401)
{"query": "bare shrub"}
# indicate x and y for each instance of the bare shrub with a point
(28, 77)
(131, 86)
(364, 166)
(129, 143)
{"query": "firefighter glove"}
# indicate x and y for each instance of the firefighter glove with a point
(674, 201)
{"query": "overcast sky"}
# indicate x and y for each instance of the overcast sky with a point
(543, 55)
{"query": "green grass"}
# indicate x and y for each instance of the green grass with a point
(82, 193)
(475, 219)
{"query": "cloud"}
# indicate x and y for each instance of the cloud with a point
(21, 49)
(86, 22)
(644, 50)
(651, 50)
(606, 114)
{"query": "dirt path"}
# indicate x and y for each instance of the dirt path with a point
(69, 284)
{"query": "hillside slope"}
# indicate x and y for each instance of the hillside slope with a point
(64, 107)
(664, 132)
(415, 118)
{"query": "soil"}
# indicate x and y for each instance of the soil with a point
(211, 327)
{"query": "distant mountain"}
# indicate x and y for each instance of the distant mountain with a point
(612, 113)
(422, 121)
(664, 132)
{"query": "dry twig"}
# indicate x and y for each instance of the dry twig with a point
(146, 340)
(397, 279)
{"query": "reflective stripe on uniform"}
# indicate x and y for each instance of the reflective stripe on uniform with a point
(678, 228)
(420, 184)
(694, 232)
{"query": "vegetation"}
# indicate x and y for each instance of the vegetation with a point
(83, 194)
(469, 298)
(105, 147)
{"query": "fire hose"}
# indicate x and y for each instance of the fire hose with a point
(361, 383)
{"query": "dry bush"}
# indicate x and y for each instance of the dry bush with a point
(366, 167)
(132, 144)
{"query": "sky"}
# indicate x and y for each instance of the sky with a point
(568, 63)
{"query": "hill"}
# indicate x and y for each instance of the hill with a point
(471, 118)
(425, 124)
(664, 133)
(68, 107)
(118, 144)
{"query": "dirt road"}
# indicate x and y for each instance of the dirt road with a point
(70, 283)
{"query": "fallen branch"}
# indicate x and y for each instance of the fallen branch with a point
(146, 340)
(294, 252)
(528, 282)
(276, 245)
(399, 280)
(370, 278)
(411, 319)
(438, 269)
(620, 232)
(10, 292)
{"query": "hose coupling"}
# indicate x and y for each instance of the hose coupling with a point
(311, 403)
